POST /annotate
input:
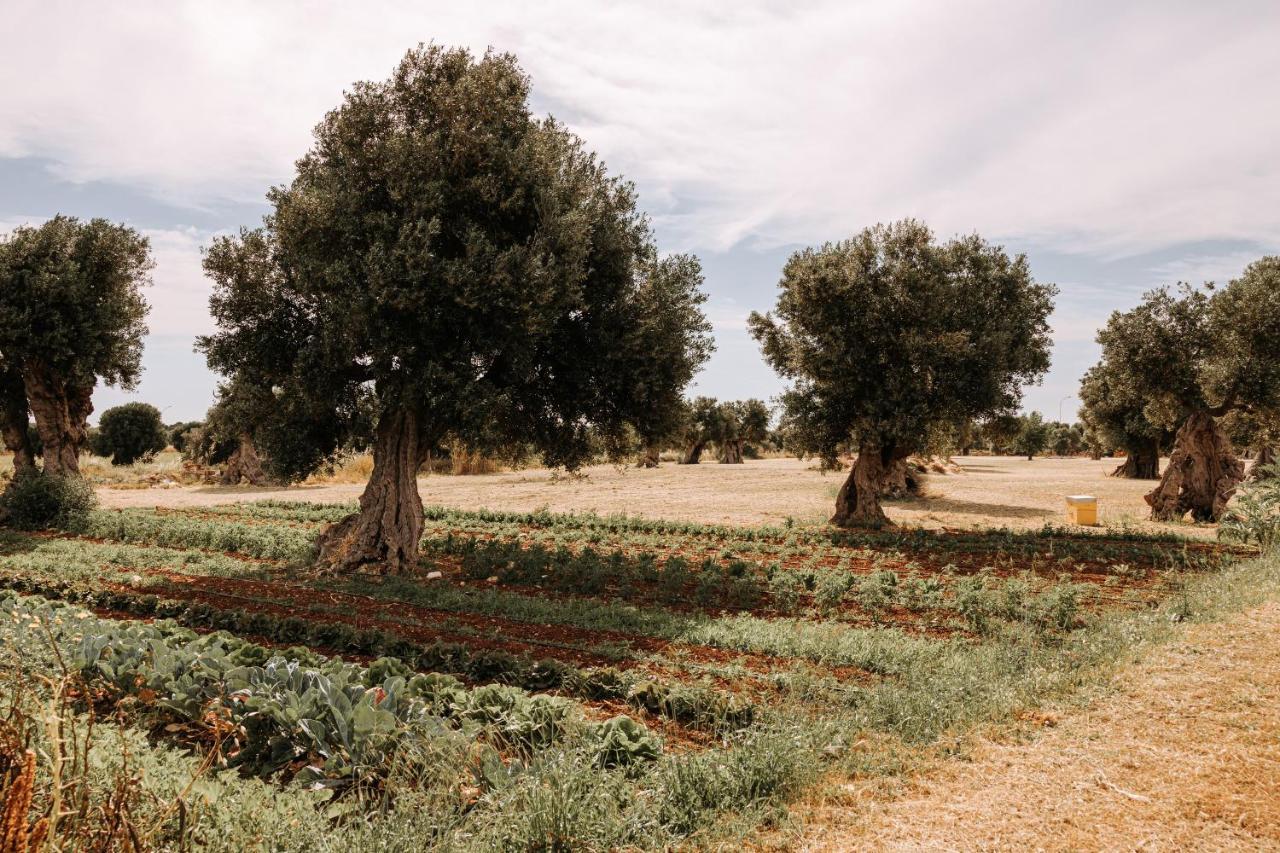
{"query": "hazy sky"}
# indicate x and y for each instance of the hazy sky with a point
(1120, 146)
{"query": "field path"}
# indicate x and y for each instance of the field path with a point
(1184, 755)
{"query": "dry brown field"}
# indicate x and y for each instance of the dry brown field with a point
(990, 491)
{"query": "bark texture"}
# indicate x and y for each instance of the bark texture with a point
(1202, 474)
(1141, 463)
(383, 536)
(1266, 457)
(649, 457)
(731, 452)
(13, 422)
(858, 502)
(901, 479)
(244, 464)
(694, 454)
(62, 412)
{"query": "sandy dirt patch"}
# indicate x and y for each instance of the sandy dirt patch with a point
(1185, 755)
(991, 492)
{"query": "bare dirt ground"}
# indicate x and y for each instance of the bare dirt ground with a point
(1185, 755)
(991, 492)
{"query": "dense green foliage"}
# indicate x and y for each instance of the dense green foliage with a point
(37, 500)
(130, 432)
(1255, 516)
(1179, 360)
(1033, 435)
(890, 335)
(71, 315)
(472, 268)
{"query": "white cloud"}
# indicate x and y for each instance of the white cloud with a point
(179, 295)
(1197, 269)
(1084, 126)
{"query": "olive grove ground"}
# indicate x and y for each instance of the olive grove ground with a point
(991, 492)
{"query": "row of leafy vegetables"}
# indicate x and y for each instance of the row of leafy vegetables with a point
(302, 716)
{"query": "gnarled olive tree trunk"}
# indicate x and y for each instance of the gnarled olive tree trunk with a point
(13, 422)
(1141, 463)
(694, 454)
(383, 536)
(244, 464)
(649, 457)
(1202, 474)
(858, 502)
(731, 452)
(62, 412)
(901, 479)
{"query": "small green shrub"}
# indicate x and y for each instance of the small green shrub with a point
(37, 501)
(830, 589)
(878, 591)
(130, 432)
(785, 588)
(922, 593)
(1255, 516)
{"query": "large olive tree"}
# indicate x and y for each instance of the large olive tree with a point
(740, 422)
(471, 268)
(891, 335)
(672, 342)
(71, 314)
(700, 424)
(1236, 368)
(1114, 413)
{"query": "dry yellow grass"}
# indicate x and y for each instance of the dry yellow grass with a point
(1185, 755)
(992, 492)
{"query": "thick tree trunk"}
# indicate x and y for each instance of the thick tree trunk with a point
(694, 454)
(1202, 474)
(901, 479)
(62, 414)
(244, 464)
(13, 422)
(1141, 463)
(649, 457)
(1266, 457)
(858, 503)
(383, 535)
(731, 452)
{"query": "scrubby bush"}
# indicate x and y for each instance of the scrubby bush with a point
(183, 434)
(1255, 516)
(36, 501)
(130, 432)
(785, 588)
(830, 589)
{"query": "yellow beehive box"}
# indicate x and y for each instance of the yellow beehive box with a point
(1082, 509)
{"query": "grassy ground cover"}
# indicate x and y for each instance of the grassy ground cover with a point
(746, 662)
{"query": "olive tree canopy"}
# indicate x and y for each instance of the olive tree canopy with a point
(890, 335)
(1235, 361)
(1115, 413)
(672, 342)
(71, 314)
(471, 267)
(130, 432)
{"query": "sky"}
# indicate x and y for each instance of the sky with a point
(1119, 146)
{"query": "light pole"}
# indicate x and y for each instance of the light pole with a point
(1060, 402)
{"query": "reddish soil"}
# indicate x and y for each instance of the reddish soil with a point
(412, 621)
